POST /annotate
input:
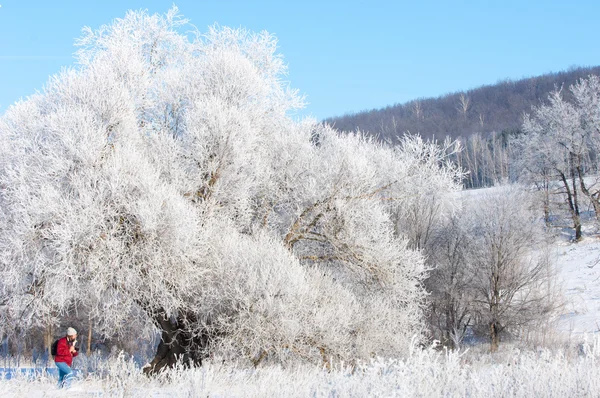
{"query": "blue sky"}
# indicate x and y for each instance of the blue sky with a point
(345, 56)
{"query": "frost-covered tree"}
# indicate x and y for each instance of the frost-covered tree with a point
(556, 143)
(426, 203)
(512, 279)
(450, 281)
(562, 138)
(163, 184)
(586, 96)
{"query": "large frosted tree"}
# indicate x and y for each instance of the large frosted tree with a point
(165, 183)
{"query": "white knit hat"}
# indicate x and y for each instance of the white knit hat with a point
(71, 332)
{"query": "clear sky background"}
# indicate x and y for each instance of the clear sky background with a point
(345, 56)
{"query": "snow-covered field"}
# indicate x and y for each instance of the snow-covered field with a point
(426, 373)
(579, 268)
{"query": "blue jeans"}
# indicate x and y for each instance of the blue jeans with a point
(65, 374)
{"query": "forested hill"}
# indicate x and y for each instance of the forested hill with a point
(485, 109)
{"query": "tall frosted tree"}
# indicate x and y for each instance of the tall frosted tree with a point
(165, 183)
(562, 142)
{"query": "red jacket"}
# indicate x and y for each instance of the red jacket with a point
(62, 352)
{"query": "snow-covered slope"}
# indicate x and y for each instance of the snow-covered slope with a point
(578, 266)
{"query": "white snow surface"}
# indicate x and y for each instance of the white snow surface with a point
(425, 373)
(578, 266)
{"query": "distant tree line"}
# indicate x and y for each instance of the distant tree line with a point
(486, 121)
(486, 109)
(487, 160)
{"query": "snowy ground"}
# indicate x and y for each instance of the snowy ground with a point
(578, 266)
(426, 373)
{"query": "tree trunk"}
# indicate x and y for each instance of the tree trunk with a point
(89, 338)
(593, 198)
(577, 220)
(48, 340)
(546, 201)
(494, 338)
(573, 205)
(178, 343)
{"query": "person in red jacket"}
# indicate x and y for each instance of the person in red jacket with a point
(65, 352)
